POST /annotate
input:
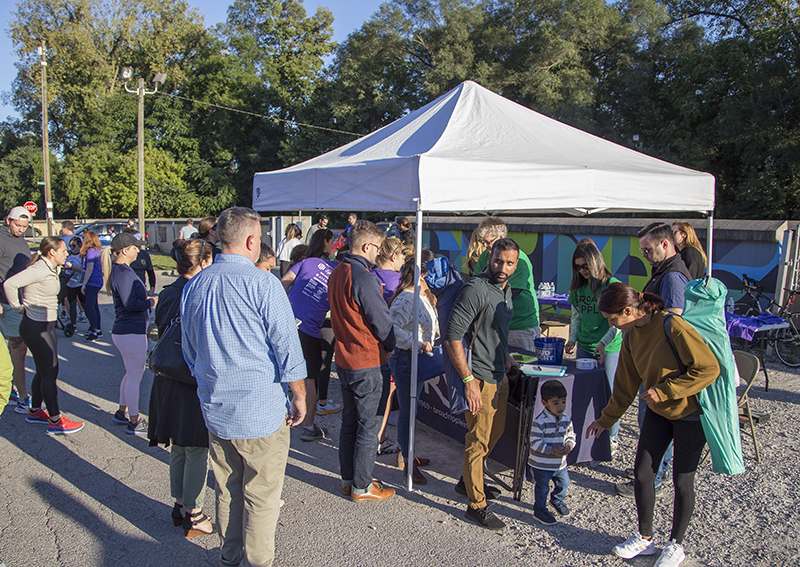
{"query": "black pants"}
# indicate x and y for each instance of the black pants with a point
(40, 337)
(319, 355)
(689, 440)
(74, 294)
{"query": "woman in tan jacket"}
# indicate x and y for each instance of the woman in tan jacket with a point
(673, 363)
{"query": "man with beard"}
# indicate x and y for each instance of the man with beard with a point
(482, 313)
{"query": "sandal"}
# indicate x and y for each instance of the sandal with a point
(177, 514)
(191, 521)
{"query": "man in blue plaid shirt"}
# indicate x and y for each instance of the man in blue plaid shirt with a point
(240, 341)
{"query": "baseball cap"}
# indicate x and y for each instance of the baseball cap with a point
(19, 213)
(123, 240)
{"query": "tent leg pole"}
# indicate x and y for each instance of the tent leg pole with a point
(414, 350)
(710, 241)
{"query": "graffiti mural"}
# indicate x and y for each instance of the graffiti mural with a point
(551, 257)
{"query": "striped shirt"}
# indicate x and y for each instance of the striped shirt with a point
(240, 342)
(550, 431)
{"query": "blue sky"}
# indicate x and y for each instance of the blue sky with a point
(348, 16)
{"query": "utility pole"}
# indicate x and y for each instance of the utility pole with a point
(48, 202)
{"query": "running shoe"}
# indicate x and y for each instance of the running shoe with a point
(633, 546)
(13, 396)
(38, 416)
(328, 408)
(82, 318)
(672, 555)
(64, 426)
(388, 446)
(138, 428)
(312, 435)
(23, 406)
(121, 417)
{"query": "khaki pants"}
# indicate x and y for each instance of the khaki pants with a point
(249, 474)
(485, 429)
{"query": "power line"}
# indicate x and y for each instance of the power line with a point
(292, 122)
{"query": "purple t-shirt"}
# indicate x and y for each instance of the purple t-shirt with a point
(389, 280)
(93, 257)
(309, 293)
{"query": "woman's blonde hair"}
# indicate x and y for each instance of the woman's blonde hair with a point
(691, 238)
(474, 248)
(389, 248)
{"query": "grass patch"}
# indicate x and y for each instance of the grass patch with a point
(163, 262)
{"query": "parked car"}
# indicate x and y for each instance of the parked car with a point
(105, 230)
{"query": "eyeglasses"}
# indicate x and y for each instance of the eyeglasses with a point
(649, 250)
(378, 246)
(487, 243)
(581, 267)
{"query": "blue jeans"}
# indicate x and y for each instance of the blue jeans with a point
(542, 479)
(610, 367)
(358, 440)
(667, 458)
(400, 363)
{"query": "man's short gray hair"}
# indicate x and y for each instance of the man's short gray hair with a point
(234, 225)
(493, 227)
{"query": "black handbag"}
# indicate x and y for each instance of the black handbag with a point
(166, 358)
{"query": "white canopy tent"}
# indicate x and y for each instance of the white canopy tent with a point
(473, 150)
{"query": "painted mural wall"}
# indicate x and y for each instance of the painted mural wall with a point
(551, 257)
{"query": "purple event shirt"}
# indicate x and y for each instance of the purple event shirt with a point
(309, 293)
(389, 280)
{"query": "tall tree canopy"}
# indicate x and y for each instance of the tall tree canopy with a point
(708, 84)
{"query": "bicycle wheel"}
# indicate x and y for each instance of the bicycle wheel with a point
(787, 343)
(745, 309)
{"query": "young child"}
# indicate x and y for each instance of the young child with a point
(552, 438)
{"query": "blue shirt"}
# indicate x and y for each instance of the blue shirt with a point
(240, 342)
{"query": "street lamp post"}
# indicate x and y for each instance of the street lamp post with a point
(127, 74)
(48, 202)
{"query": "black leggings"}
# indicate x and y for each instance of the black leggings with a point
(689, 440)
(74, 294)
(40, 338)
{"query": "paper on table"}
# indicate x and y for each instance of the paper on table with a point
(543, 370)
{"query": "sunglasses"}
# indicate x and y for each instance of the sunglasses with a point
(581, 267)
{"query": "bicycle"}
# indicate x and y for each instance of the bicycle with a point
(786, 341)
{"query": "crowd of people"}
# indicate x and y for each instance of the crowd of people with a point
(234, 404)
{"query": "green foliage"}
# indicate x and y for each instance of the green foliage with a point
(709, 84)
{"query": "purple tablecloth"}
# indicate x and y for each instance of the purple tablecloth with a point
(740, 327)
(558, 301)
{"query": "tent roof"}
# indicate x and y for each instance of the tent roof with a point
(473, 150)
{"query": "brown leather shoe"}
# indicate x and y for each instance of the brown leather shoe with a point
(416, 477)
(375, 492)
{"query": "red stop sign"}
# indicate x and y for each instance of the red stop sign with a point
(31, 207)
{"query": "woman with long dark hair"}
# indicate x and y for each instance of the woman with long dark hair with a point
(92, 282)
(673, 364)
(129, 334)
(175, 414)
(307, 285)
(401, 309)
(40, 285)
(589, 330)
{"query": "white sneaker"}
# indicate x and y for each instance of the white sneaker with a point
(328, 408)
(633, 546)
(672, 555)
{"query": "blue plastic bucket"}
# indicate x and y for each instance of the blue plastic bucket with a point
(550, 350)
